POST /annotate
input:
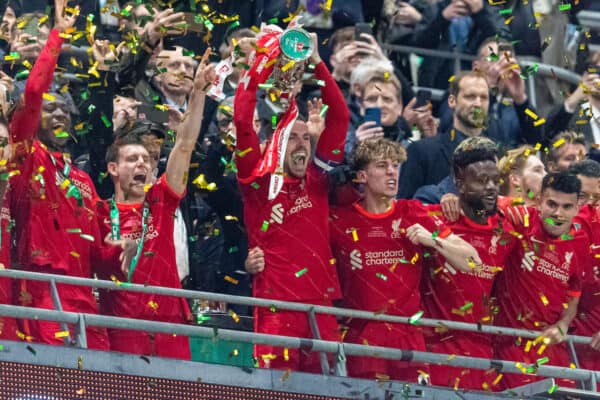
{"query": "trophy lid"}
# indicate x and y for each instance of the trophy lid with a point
(296, 44)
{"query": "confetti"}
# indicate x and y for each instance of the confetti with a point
(61, 334)
(559, 143)
(552, 388)
(381, 276)
(564, 7)
(265, 226)
(354, 235)
(414, 320)
(301, 272)
(231, 280)
(234, 316)
(544, 299)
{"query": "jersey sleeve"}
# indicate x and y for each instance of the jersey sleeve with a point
(330, 148)
(26, 119)
(430, 216)
(247, 143)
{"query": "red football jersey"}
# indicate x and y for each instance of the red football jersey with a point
(587, 322)
(543, 272)
(465, 296)
(292, 230)
(156, 265)
(451, 294)
(379, 267)
(8, 327)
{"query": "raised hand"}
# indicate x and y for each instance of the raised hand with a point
(129, 248)
(368, 130)
(316, 122)
(205, 74)
(164, 23)
(62, 21)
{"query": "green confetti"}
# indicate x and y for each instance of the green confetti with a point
(414, 320)
(552, 388)
(301, 272)
(566, 236)
(106, 121)
(467, 306)
(265, 226)
(233, 249)
(255, 185)
(381, 276)
(549, 221)
(542, 361)
(22, 74)
(530, 194)
(272, 308)
(188, 53)
(87, 237)
(74, 230)
(61, 134)
(4, 176)
(273, 20)
(202, 318)
(336, 151)
(506, 11)
(324, 111)
(564, 7)
(91, 108)
(274, 121)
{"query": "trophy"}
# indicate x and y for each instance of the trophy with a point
(296, 47)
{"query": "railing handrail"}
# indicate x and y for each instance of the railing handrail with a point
(279, 304)
(290, 342)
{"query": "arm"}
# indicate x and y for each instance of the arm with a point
(26, 119)
(189, 129)
(246, 138)
(330, 148)
(455, 250)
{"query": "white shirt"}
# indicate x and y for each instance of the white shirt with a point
(181, 245)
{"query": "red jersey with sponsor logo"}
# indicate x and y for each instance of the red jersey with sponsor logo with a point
(292, 229)
(587, 321)
(542, 274)
(465, 296)
(293, 233)
(156, 265)
(8, 327)
(379, 267)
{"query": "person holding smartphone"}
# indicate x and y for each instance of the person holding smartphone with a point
(384, 115)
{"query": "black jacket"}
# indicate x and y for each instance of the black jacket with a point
(428, 162)
(432, 33)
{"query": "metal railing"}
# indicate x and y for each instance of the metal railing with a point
(81, 320)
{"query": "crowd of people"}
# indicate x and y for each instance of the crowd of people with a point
(157, 144)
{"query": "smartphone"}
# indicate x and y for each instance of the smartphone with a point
(151, 113)
(373, 114)
(360, 28)
(423, 98)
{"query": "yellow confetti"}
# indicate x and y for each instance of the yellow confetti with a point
(65, 184)
(528, 346)
(544, 299)
(497, 380)
(233, 315)
(286, 354)
(559, 142)
(61, 334)
(541, 349)
(48, 97)
(539, 122)
(354, 235)
(531, 114)
(288, 65)
(153, 305)
(74, 254)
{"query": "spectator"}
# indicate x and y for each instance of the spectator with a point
(298, 213)
(385, 93)
(509, 124)
(521, 176)
(429, 159)
(565, 149)
(541, 285)
(367, 263)
(580, 112)
(465, 295)
(588, 172)
(458, 26)
(147, 214)
(52, 199)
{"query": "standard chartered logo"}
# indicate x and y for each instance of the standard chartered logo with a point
(356, 259)
(386, 257)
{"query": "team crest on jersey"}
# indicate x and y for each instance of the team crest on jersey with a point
(396, 231)
(356, 259)
(568, 258)
(494, 244)
(528, 261)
